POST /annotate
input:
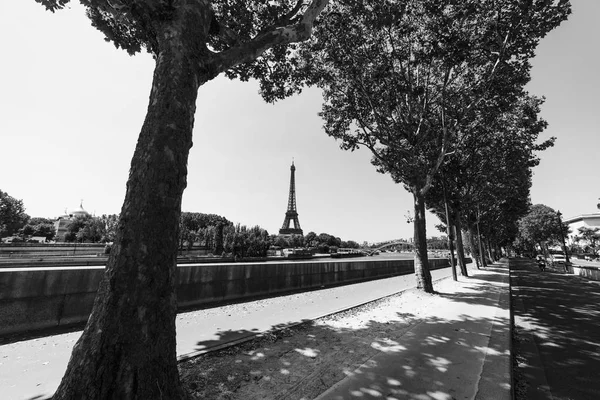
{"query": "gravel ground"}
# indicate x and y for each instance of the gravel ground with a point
(304, 361)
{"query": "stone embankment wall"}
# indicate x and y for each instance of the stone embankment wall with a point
(32, 250)
(592, 273)
(45, 298)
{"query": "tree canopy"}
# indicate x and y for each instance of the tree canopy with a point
(407, 79)
(589, 237)
(12, 214)
(539, 226)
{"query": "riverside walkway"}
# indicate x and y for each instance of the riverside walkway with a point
(33, 368)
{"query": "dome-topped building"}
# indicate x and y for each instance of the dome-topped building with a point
(79, 212)
(62, 222)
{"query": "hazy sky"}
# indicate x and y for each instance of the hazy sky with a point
(71, 107)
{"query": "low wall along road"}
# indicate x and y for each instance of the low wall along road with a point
(590, 272)
(42, 298)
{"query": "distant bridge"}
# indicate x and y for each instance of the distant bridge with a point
(398, 243)
(401, 245)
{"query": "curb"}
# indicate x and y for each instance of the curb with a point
(511, 344)
(497, 375)
(249, 338)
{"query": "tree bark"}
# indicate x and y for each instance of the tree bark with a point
(474, 246)
(482, 251)
(422, 272)
(128, 347)
(460, 251)
(491, 247)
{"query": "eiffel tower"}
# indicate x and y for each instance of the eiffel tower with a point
(291, 214)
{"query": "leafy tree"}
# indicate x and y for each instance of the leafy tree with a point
(488, 176)
(194, 227)
(110, 223)
(540, 226)
(590, 236)
(289, 241)
(12, 214)
(74, 226)
(310, 239)
(242, 241)
(86, 229)
(93, 231)
(437, 243)
(401, 78)
(40, 221)
(352, 244)
(192, 42)
(45, 229)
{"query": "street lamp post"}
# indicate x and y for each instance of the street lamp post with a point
(562, 236)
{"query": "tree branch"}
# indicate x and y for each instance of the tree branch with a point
(254, 48)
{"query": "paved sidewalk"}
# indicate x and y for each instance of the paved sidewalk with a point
(461, 350)
(33, 368)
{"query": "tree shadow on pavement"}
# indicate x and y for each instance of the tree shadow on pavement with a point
(486, 287)
(391, 354)
(557, 335)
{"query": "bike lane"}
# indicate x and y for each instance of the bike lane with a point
(557, 334)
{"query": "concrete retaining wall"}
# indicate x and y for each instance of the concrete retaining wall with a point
(43, 298)
(32, 250)
(592, 273)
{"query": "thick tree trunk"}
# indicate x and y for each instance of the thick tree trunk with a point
(127, 350)
(420, 237)
(475, 246)
(482, 250)
(488, 250)
(460, 251)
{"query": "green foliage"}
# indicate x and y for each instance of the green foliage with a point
(134, 25)
(400, 78)
(90, 229)
(12, 214)
(110, 222)
(415, 81)
(437, 243)
(201, 228)
(53, 5)
(37, 228)
(242, 241)
(85, 229)
(589, 237)
(540, 225)
(488, 176)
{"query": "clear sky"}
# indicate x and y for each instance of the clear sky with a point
(71, 107)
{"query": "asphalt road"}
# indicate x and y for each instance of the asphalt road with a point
(33, 368)
(557, 334)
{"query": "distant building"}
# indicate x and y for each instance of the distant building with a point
(584, 220)
(62, 222)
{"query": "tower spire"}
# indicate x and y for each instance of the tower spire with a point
(291, 215)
